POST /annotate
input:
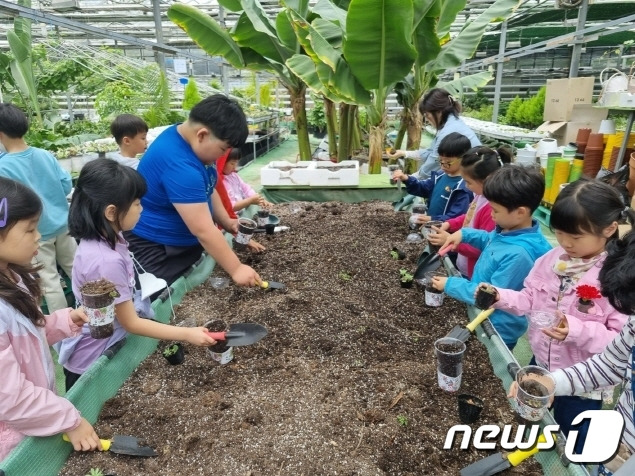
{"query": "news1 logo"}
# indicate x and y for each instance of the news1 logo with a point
(601, 444)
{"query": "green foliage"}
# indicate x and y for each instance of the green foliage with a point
(216, 84)
(191, 96)
(158, 113)
(526, 113)
(316, 116)
(95, 472)
(171, 350)
(402, 420)
(476, 101)
(344, 276)
(406, 277)
(394, 254)
(117, 98)
(484, 113)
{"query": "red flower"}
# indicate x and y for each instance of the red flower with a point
(587, 292)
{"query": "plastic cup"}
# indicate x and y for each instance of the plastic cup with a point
(432, 296)
(246, 229)
(542, 319)
(427, 228)
(100, 309)
(218, 282)
(449, 352)
(417, 210)
(391, 170)
(263, 217)
(536, 386)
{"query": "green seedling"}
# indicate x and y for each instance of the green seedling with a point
(406, 277)
(394, 255)
(95, 472)
(403, 420)
(344, 276)
(171, 350)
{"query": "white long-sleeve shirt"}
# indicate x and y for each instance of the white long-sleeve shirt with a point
(613, 366)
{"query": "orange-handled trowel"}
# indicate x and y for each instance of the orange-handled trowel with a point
(500, 461)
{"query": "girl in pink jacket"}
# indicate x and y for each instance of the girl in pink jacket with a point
(28, 402)
(476, 164)
(565, 282)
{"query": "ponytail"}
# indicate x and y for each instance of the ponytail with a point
(618, 271)
(481, 161)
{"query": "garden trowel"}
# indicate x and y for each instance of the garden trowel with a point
(124, 445)
(245, 333)
(500, 461)
(463, 333)
(271, 285)
(431, 262)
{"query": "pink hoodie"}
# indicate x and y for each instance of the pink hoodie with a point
(589, 333)
(29, 405)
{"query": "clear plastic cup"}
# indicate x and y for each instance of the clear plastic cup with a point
(542, 319)
(449, 352)
(536, 386)
(427, 228)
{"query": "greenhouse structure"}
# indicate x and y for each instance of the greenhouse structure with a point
(360, 237)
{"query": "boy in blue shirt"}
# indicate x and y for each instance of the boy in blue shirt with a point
(39, 170)
(509, 251)
(446, 191)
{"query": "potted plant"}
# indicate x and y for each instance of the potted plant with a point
(98, 301)
(219, 352)
(317, 119)
(174, 354)
(396, 253)
(586, 293)
(406, 278)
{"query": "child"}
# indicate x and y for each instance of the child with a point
(447, 193)
(584, 217)
(105, 203)
(131, 134)
(39, 170)
(29, 404)
(181, 206)
(476, 164)
(508, 253)
(240, 194)
(615, 364)
(221, 188)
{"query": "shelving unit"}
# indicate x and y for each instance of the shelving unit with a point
(260, 143)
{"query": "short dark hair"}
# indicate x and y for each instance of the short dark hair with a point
(454, 145)
(618, 273)
(514, 186)
(224, 117)
(586, 206)
(13, 121)
(102, 182)
(439, 100)
(20, 203)
(480, 161)
(127, 125)
(234, 154)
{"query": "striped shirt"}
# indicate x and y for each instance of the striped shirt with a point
(611, 367)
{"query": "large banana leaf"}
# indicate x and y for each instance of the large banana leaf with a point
(473, 81)
(22, 69)
(449, 10)
(258, 17)
(246, 35)
(329, 11)
(378, 44)
(300, 6)
(231, 5)
(314, 43)
(426, 41)
(286, 35)
(464, 45)
(207, 34)
(426, 8)
(303, 67)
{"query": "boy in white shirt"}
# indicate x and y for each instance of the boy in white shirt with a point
(130, 133)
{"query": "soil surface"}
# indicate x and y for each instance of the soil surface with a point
(345, 383)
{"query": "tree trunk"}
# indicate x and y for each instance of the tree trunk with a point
(376, 146)
(331, 126)
(414, 123)
(299, 114)
(344, 145)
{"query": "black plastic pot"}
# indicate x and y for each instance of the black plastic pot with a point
(470, 408)
(406, 284)
(178, 357)
(400, 254)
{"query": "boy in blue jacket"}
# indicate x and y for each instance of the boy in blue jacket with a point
(446, 191)
(510, 250)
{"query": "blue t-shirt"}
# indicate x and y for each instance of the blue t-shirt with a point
(441, 194)
(174, 174)
(39, 170)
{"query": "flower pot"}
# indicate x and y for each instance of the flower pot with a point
(449, 353)
(585, 306)
(262, 216)
(485, 297)
(270, 228)
(223, 357)
(433, 297)
(98, 301)
(397, 253)
(595, 140)
(406, 284)
(470, 408)
(246, 229)
(219, 352)
(177, 357)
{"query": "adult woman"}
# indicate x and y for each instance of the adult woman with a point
(441, 110)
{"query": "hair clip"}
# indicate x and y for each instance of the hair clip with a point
(451, 98)
(624, 213)
(4, 205)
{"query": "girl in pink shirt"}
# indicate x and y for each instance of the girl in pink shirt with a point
(29, 404)
(476, 164)
(240, 194)
(565, 282)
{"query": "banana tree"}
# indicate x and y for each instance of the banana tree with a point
(255, 43)
(436, 52)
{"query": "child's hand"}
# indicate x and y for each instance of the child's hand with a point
(513, 392)
(84, 438)
(423, 219)
(439, 237)
(199, 336)
(445, 226)
(559, 332)
(485, 286)
(246, 276)
(79, 317)
(454, 239)
(399, 175)
(264, 203)
(231, 226)
(255, 246)
(397, 154)
(255, 199)
(438, 282)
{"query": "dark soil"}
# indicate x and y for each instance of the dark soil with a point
(485, 297)
(98, 294)
(344, 383)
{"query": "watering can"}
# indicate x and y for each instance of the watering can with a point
(617, 82)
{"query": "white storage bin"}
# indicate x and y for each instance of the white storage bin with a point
(329, 174)
(281, 172)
